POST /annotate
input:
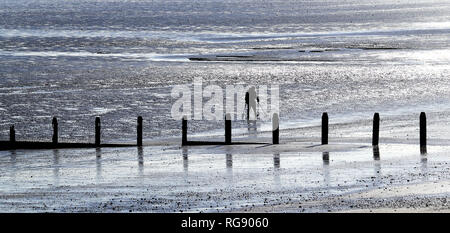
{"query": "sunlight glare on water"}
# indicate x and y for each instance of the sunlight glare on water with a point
(69, 59)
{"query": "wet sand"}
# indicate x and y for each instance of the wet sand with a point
(236, 178)
(298, 175)
(427, 197)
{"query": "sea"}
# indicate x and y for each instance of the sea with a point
(119, 59)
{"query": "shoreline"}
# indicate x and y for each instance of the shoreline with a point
(403, 198)
(174, 179)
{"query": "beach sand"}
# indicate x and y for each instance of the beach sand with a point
(427, 197)
(290, 177)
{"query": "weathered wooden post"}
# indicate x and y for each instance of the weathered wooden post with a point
(97, 131)
(275, 129)
(423, 133)
(139, 131)
(12, 134)
(55, 131)
(324, 128)
(227, 129)
(376, 129)
(184, 131)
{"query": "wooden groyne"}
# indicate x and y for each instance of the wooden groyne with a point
(376, 129)
(324, 133)
(423, 133)
(6, 145)
(228, 135)
(55, 144)
(324, 128)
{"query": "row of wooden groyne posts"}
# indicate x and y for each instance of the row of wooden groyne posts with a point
(324, 135)
(13, 144)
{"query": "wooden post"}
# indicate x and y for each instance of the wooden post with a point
(139, 131)
(423, 132)
(12, 134)
(184, 131)
(227, 129)
(275, 129)
(55, 131)
(324, 128)
(376, 129)
(97, 131)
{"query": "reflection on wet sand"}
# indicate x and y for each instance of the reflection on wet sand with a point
(376, 152)
(376, 165)
(98, 162)
(13, 160)
(185, 159)
(140, 152)
(276, 161)
(326, 157)
(377, 170)
(229, 165)
(13, 157)
(56, 166)
(229, 161)
(424, 166)
(276, 170)
(326, 168)
(252, 129)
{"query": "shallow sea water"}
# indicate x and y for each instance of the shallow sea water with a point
(81, 59)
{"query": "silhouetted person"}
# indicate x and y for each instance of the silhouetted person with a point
(250, 103)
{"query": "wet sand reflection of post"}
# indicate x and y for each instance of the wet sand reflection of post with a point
(229, 161)
(185, 159)
(229, 164)
(326, 157)
(326, 168)
(424, 166)
(98, 162)
(376, 153)
(276, 170)
(13, 160)
(276, 161)
(140, 152)
(377, 165)
(56, 166)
